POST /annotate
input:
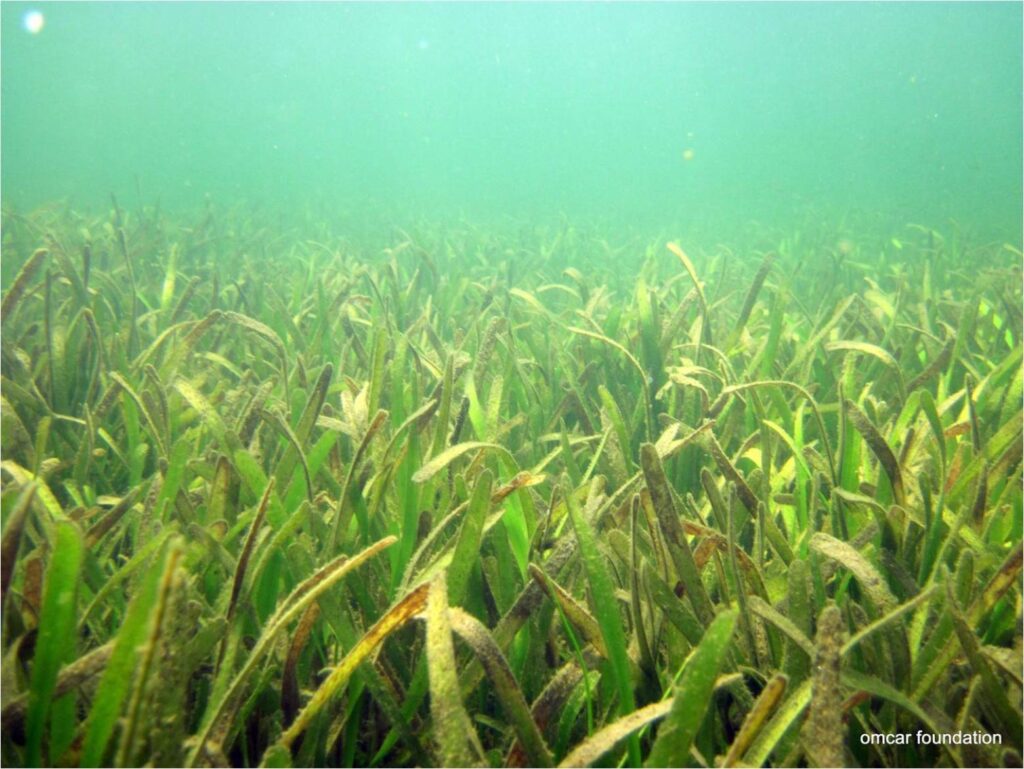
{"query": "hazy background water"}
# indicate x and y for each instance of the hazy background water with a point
(659, 114)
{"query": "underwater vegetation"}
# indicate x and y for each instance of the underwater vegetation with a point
(278, 495)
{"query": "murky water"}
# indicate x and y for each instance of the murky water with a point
(655, 114)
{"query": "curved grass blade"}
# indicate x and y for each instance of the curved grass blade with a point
(751, 299)
(467, 547)
(446, 457)
(698, 287)
(142, 556)
(765, 611)
(936, 366)
(304, 429)
(289, 675)
(864, 348)
(764, 706)
(341, 516)
(20, 284)
(242, 564)
(599, 743)
(181, 350)
(668, 520)
(606, 610)
(676, 612)
(891, 617)
(878, 688)
(693, 694)
(576, 614)
(784, 719)
(743, 490)
(229, 442)
(457, 740)
(880, 449)
(506, 689)
(72, 676)
(116, 681)
(292, 606)
(866, 574)
(12, 537)
(44, 496)
(56, 633)
(412, 604)
(612, 343)
(149, 661)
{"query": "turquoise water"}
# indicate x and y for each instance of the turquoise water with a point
(658, 114)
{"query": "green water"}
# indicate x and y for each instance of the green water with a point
(480, 384)
(665, 115)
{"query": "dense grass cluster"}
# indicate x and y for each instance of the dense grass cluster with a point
(281, 495)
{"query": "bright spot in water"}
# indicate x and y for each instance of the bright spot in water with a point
(33, 22)
(688, 154)
(423, 44)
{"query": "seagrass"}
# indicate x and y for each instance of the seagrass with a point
(440, 495)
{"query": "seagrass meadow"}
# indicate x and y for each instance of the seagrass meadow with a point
(511, 384)
(274, 494)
